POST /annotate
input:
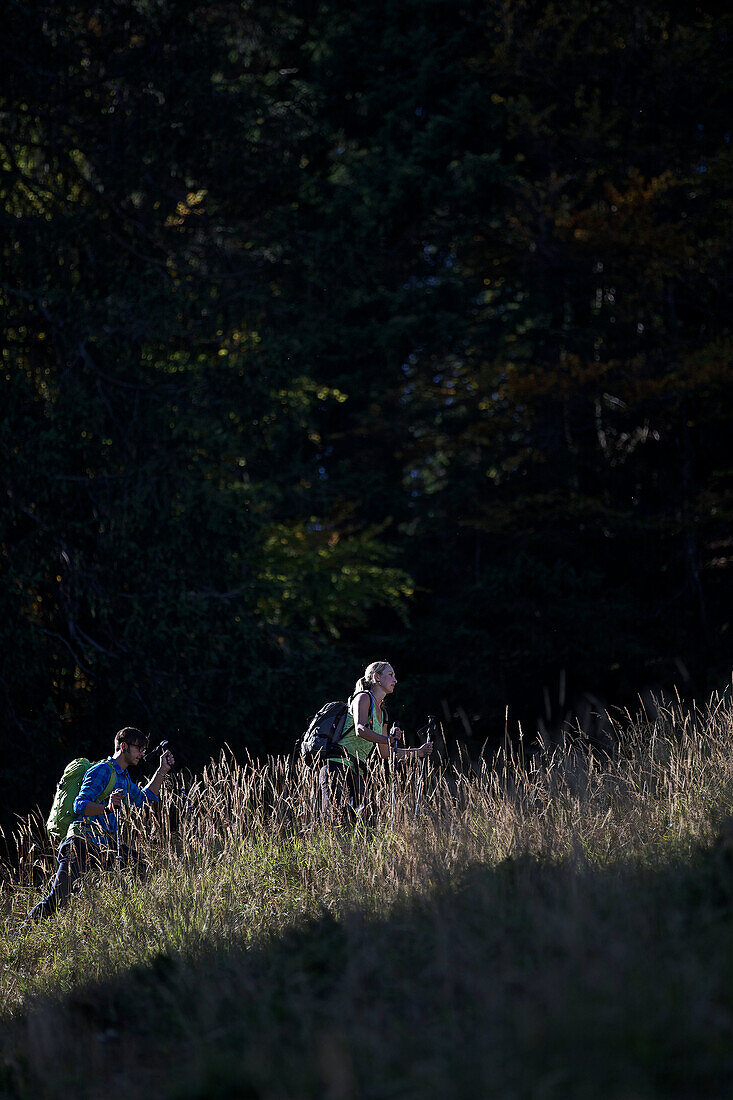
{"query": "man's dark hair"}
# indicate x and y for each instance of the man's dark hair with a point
(130, 736)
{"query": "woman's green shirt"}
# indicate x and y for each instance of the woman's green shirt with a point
(355, 746)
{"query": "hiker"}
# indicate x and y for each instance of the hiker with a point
(93, 833)
(343, 776)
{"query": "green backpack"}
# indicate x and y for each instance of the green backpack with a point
(62, 811)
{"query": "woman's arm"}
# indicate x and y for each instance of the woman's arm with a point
(420, 753)
(401, 753)
(394, 734)
(360, 708)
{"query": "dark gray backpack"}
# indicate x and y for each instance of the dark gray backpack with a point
(321, 738)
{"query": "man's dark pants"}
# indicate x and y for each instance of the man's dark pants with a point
(75, 856)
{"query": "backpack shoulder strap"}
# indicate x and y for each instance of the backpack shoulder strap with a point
(111, 782)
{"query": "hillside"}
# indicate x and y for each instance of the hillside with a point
(553, 925)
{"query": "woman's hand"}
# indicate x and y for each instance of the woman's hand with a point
(425, 750)
(397, 732)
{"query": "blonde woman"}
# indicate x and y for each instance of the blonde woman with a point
(343, 776)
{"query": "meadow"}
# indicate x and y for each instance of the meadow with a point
(554, 922)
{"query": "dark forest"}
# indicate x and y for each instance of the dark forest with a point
(335, 333)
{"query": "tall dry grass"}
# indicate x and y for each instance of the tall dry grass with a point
(543, 908)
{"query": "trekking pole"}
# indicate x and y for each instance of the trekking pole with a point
(117, 813)
(391, 815)
(394, 780)
(118, 826)
(428, 739)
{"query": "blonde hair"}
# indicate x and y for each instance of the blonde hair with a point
(367, 681)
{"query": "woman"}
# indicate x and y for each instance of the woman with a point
(343, 776)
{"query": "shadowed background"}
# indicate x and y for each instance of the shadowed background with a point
(337, 335)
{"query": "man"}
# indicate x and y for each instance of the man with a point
(93, 834)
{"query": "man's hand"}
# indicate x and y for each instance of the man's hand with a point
(166, 762)
(115, 800)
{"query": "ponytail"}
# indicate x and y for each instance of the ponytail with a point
(366, 682)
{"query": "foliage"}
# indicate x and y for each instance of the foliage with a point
(332, 334)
